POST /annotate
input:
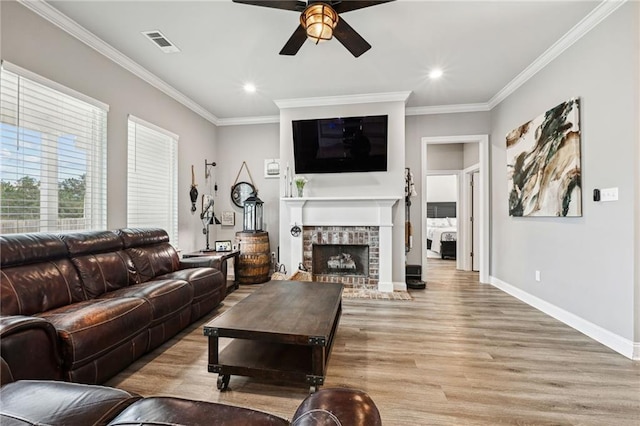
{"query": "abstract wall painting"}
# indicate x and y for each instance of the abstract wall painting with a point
(543, 164)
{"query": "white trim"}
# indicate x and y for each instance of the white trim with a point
(483, 149)
(618, 343)
(152, 126)
(464, 219)
(343, 100)
(597, 15)
(70, 26)
(447, 109)
(52, 84)
(241, 121)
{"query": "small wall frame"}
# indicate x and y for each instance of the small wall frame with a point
(272, 168)
(228, 218)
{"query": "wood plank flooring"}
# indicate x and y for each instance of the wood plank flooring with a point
(460, 353)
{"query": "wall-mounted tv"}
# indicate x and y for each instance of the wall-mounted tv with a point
(340, 145)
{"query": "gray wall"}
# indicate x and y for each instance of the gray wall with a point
(471, 155)
(586, 263)
(37, 45)
(253, 144)
(419, 126)
(447, 156)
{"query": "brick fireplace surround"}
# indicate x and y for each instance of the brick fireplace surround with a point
(343, 220)
(340, 235)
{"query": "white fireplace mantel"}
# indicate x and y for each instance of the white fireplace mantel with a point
(345, 211)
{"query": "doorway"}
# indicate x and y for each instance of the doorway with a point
(481, 215)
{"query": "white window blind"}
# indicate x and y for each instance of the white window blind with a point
(53, 159)
(152, 181)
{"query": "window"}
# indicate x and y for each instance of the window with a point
(53, 141)
(152, 181)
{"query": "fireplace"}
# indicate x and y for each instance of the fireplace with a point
(343, 254)
(365, 220)
(340, 259)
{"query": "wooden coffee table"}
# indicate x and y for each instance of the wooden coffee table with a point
(283, 331)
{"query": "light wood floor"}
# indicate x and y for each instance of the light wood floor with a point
(460, 353)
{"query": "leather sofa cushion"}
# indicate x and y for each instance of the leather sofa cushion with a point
(135, 237)
(23, 249)
(166, 297)
(90, 329)
(152, 261)
(100, 260)
(163, 411)
(28, 402)
(105, 272)
(91, 242)
(39, 287)
(204, 281)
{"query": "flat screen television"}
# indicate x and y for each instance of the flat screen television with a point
(340, 145)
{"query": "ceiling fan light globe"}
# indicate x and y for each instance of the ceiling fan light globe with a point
(319, 20)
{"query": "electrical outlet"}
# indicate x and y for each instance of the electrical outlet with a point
(538, 276)
(609, 194)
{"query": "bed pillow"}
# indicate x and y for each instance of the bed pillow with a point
(437, 222)
(452, 221)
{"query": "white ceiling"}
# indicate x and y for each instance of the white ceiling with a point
(482, 46)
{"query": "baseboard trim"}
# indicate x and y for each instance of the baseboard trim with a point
(399, 286)
(613, 341)
(387, 286)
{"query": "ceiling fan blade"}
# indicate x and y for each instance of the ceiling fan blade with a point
(350, 38)
(346, 6)
(295, 42)
(295, 5)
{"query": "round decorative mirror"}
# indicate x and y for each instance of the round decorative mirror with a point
(240, 192)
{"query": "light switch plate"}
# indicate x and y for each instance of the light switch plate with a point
(609, 194)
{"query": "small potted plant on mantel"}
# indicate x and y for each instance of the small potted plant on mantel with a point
(300, 181)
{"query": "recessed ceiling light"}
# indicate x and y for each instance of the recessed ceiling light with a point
(435, 73)
(249, 88)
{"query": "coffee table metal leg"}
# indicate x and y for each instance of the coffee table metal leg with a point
(223, 382)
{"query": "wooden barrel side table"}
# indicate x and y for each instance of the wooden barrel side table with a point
(254, 261)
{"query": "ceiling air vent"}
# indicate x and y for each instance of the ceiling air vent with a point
(163, 43)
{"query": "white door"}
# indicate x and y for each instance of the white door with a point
(475, 224)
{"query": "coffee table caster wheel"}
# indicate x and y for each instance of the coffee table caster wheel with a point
(313, 389)
(223, 382)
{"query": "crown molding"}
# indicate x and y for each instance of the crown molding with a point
(343, 100)
(241, 121)
(51, 14)
(70, 26)
(597, 15)
(447, 109)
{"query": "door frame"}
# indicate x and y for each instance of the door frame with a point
(483, 150)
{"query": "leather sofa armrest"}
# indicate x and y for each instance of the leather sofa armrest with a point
(204, 262)
(337, 406)
(29, 348)
(197, 262)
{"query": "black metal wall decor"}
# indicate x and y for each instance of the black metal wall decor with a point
(193, 193)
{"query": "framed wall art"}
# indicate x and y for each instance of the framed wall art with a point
(543, 164)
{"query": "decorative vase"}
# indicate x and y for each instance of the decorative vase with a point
(300, 191)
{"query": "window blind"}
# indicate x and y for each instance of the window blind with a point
(152, 181)
(53, 158)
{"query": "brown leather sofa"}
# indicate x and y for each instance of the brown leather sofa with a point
(82, 306)
(61, 403)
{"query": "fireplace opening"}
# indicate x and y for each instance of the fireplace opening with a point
(340, 259)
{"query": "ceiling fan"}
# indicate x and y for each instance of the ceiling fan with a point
(320, 21)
